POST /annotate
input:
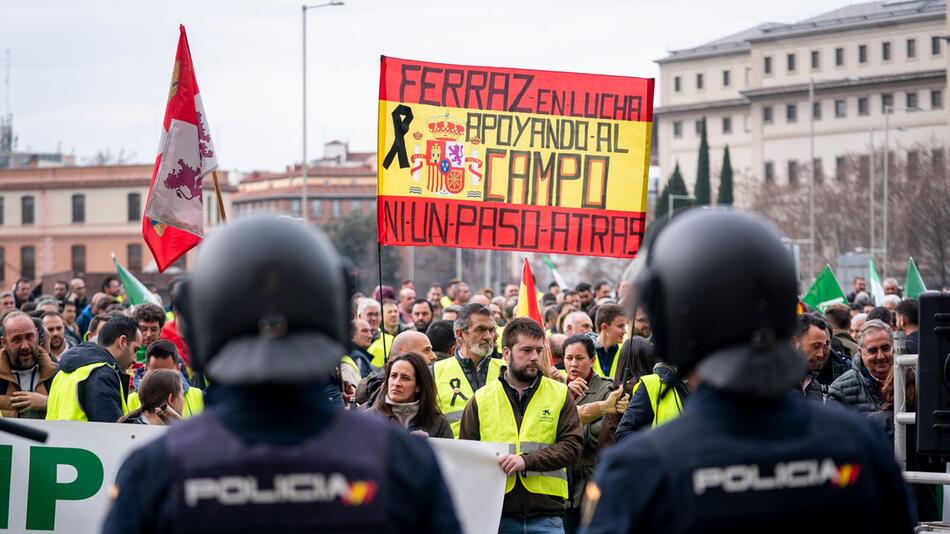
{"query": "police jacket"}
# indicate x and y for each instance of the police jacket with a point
(737, 464)
(856, 388)
(412, 493)
(99, 394)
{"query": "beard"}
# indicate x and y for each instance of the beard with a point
(524, 374)
(422, 326)
(25, 358)
(56, 343)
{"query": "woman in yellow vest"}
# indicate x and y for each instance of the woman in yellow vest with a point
(162, 399)
(537, 418)
(658, 398)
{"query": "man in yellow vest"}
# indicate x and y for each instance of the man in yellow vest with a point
(163, 354)
(459, 377)
(537, 418)
(370, 311)
(92, 383)
(611, 325)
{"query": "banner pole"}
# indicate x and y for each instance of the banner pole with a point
(379, 262)
(217, 194)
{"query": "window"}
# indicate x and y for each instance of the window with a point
(767, 114)
(913, 163)
(699, 81)
(315, 207)
(3, 263)
(767, 65)
(790, 60)
(815, 60)
(677, 84)
(726, 125)
(1, 218)
(134, 257)
(699, 128)
(841, 108)
(769, 172)
(936, 102)
(336, 208)
(726, 78)
(937, 161)
(886, 51)
(887, 102)
(26, 210)
(911, 101)
(79, 208)
(135, 206)
(935, 46)
(28, 261)
(295, 207)
(356, 205)
(864, 166)
(77, 253)
(863, 107)
(841, 168)
(816, 110)
(791, 113)
(792, 172)
(862, 53)
(911, 48)
(839, 57)
(677, 129)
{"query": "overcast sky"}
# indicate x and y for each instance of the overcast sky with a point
(93, 75)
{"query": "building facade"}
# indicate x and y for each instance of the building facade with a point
(872, 66)
(72, 219)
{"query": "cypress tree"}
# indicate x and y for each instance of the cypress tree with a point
(703, 189)
(674, 186)
(725, 180)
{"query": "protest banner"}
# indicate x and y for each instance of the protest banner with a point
(63, 485)
(512, 159)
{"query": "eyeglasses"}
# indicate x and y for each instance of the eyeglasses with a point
(874, 350)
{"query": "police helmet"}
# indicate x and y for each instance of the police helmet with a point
(720, 290)
(266, 303)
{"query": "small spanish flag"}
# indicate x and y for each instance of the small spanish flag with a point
(528, 296)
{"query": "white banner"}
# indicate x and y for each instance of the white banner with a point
(62, 486)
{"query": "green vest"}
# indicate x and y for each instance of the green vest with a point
(376, 350)
(453, 390)
(63, 402)
(669, 407)
(613, 366)
(497, 423)
(194, 402)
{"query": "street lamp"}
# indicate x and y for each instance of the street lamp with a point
(674, 197)
(304, 209)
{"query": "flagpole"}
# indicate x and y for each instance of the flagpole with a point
(217, 194)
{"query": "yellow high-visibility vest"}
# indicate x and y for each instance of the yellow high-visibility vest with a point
(667, 408)
(376, 350)
(497, 423)
(613, 366)
(63, 402)
(453, 390)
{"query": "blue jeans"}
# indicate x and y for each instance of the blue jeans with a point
(536, 525)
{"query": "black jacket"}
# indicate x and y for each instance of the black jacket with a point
(99, 394)
(639, 413)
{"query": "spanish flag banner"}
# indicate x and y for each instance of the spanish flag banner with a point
(528, 296)
(512, 159)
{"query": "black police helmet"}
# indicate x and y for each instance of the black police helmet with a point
(720, 290)
(266, 303)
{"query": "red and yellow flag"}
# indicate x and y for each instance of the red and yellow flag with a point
(528, 297)
(512, 159)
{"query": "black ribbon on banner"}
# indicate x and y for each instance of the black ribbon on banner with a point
(456, 385)
(402, 117)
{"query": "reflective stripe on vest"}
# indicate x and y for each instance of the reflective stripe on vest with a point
(667, 408)
(453, 390)
(376, 350)
(63, 402)
(613, 365)
(497, 423)
(194, 402)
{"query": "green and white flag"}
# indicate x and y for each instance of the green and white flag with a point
(825, 291)
(877, 289)
(557, 276)
(136, 290)
(913, 284)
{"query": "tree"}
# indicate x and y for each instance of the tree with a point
(674, 186)
(725, 180)
(354, 237)
(703, 189)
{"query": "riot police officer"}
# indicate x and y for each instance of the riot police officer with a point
(266, 314)
(748, 454)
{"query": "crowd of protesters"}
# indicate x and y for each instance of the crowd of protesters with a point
(450, 363)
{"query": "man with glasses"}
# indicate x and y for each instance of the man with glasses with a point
(860, 388)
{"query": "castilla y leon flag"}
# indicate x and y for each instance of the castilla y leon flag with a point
(172, 224)
(512, 159)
